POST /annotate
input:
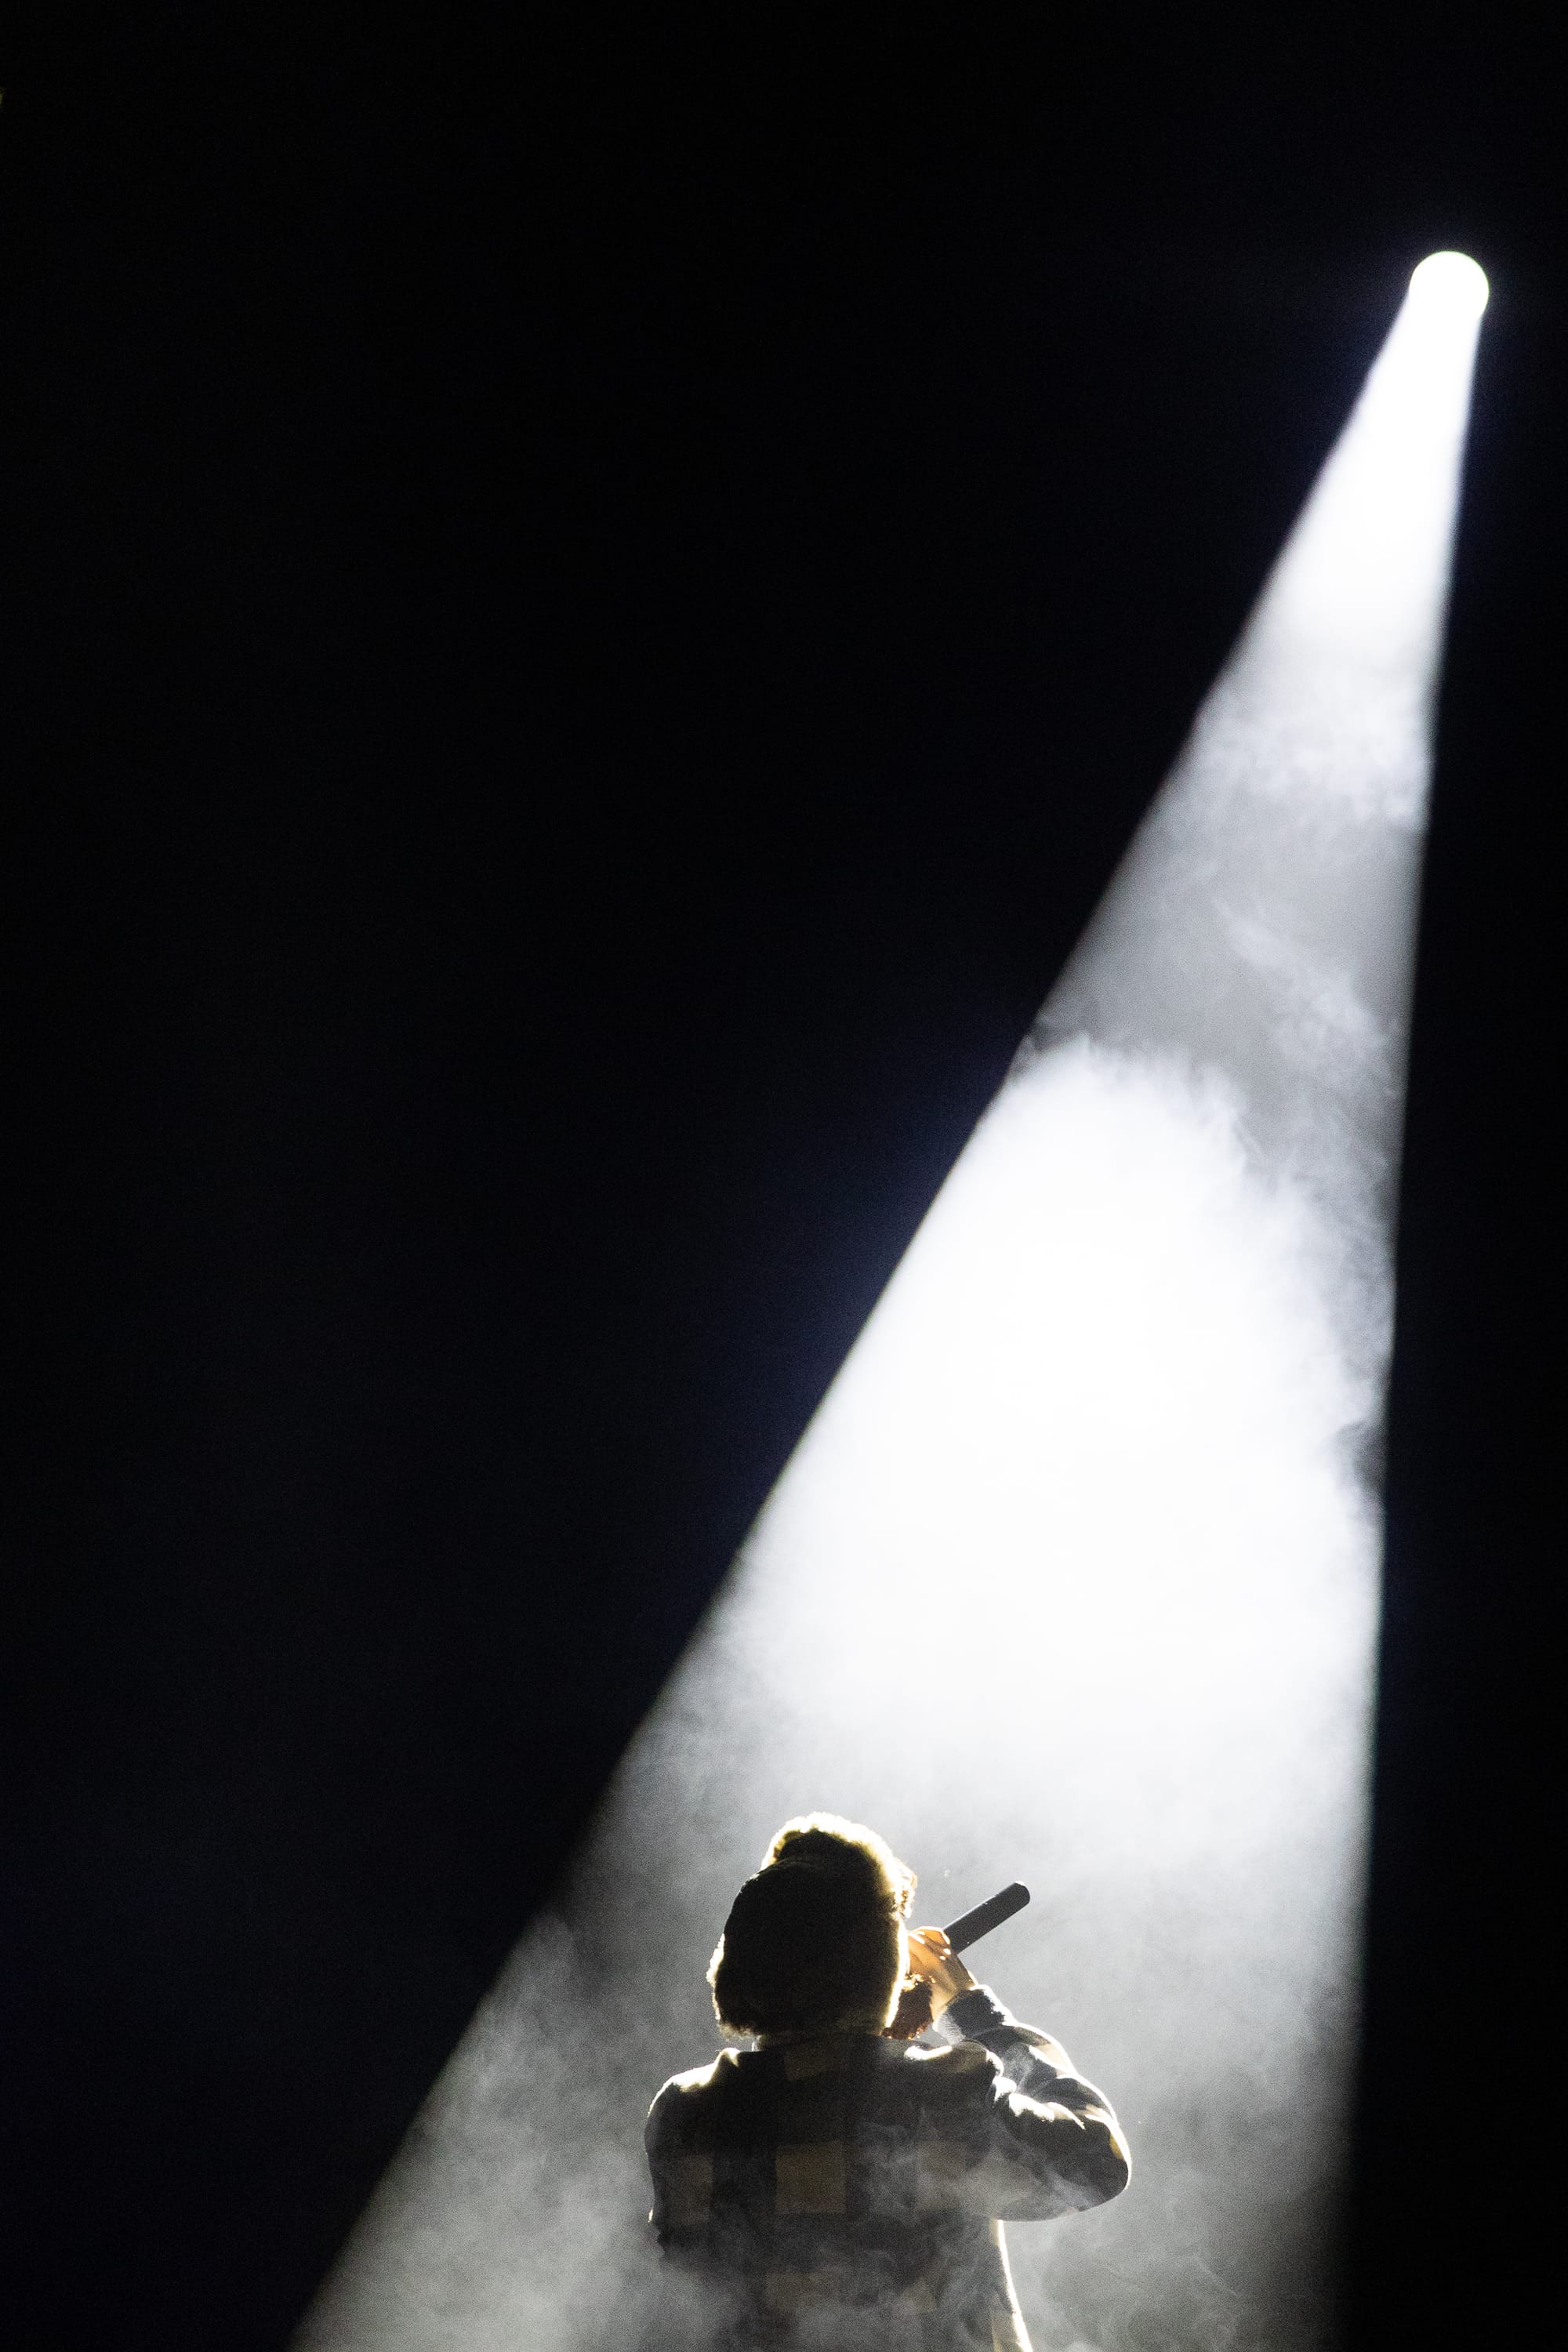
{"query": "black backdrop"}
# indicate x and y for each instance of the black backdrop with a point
(592, 606)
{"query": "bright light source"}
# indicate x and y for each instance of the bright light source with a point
(1073, 1578)
(1453, 281)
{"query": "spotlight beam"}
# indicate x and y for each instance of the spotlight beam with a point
(1086, 1493)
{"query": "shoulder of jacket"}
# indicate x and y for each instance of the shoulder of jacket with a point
(694, 2081)
(960, 2062)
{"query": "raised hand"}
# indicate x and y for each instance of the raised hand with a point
(933, 1961)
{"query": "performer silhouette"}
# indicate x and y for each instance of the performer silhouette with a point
(837, 2187)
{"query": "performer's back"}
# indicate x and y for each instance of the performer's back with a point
(843, 2190)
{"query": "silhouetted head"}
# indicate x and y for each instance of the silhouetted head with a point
(817, 1938)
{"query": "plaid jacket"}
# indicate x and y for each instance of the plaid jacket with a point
(845, 2191)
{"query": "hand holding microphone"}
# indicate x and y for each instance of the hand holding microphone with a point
(937, 1976)
(934, 1963)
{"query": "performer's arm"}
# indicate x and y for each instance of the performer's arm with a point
(1058, 2135)
(658, 2139)
(1040, 2092)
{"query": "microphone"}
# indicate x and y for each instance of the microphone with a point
(986, 1915)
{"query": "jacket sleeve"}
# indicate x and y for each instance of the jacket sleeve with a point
(1052, 2143)
(657, 2139)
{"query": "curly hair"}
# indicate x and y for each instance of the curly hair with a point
(816, 1938)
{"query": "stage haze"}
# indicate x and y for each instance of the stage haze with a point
(1074, 1576)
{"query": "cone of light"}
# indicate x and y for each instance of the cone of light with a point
(1074, 1575)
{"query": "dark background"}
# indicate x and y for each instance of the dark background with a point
(591, 605)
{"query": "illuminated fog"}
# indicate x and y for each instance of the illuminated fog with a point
(1073, 1578)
